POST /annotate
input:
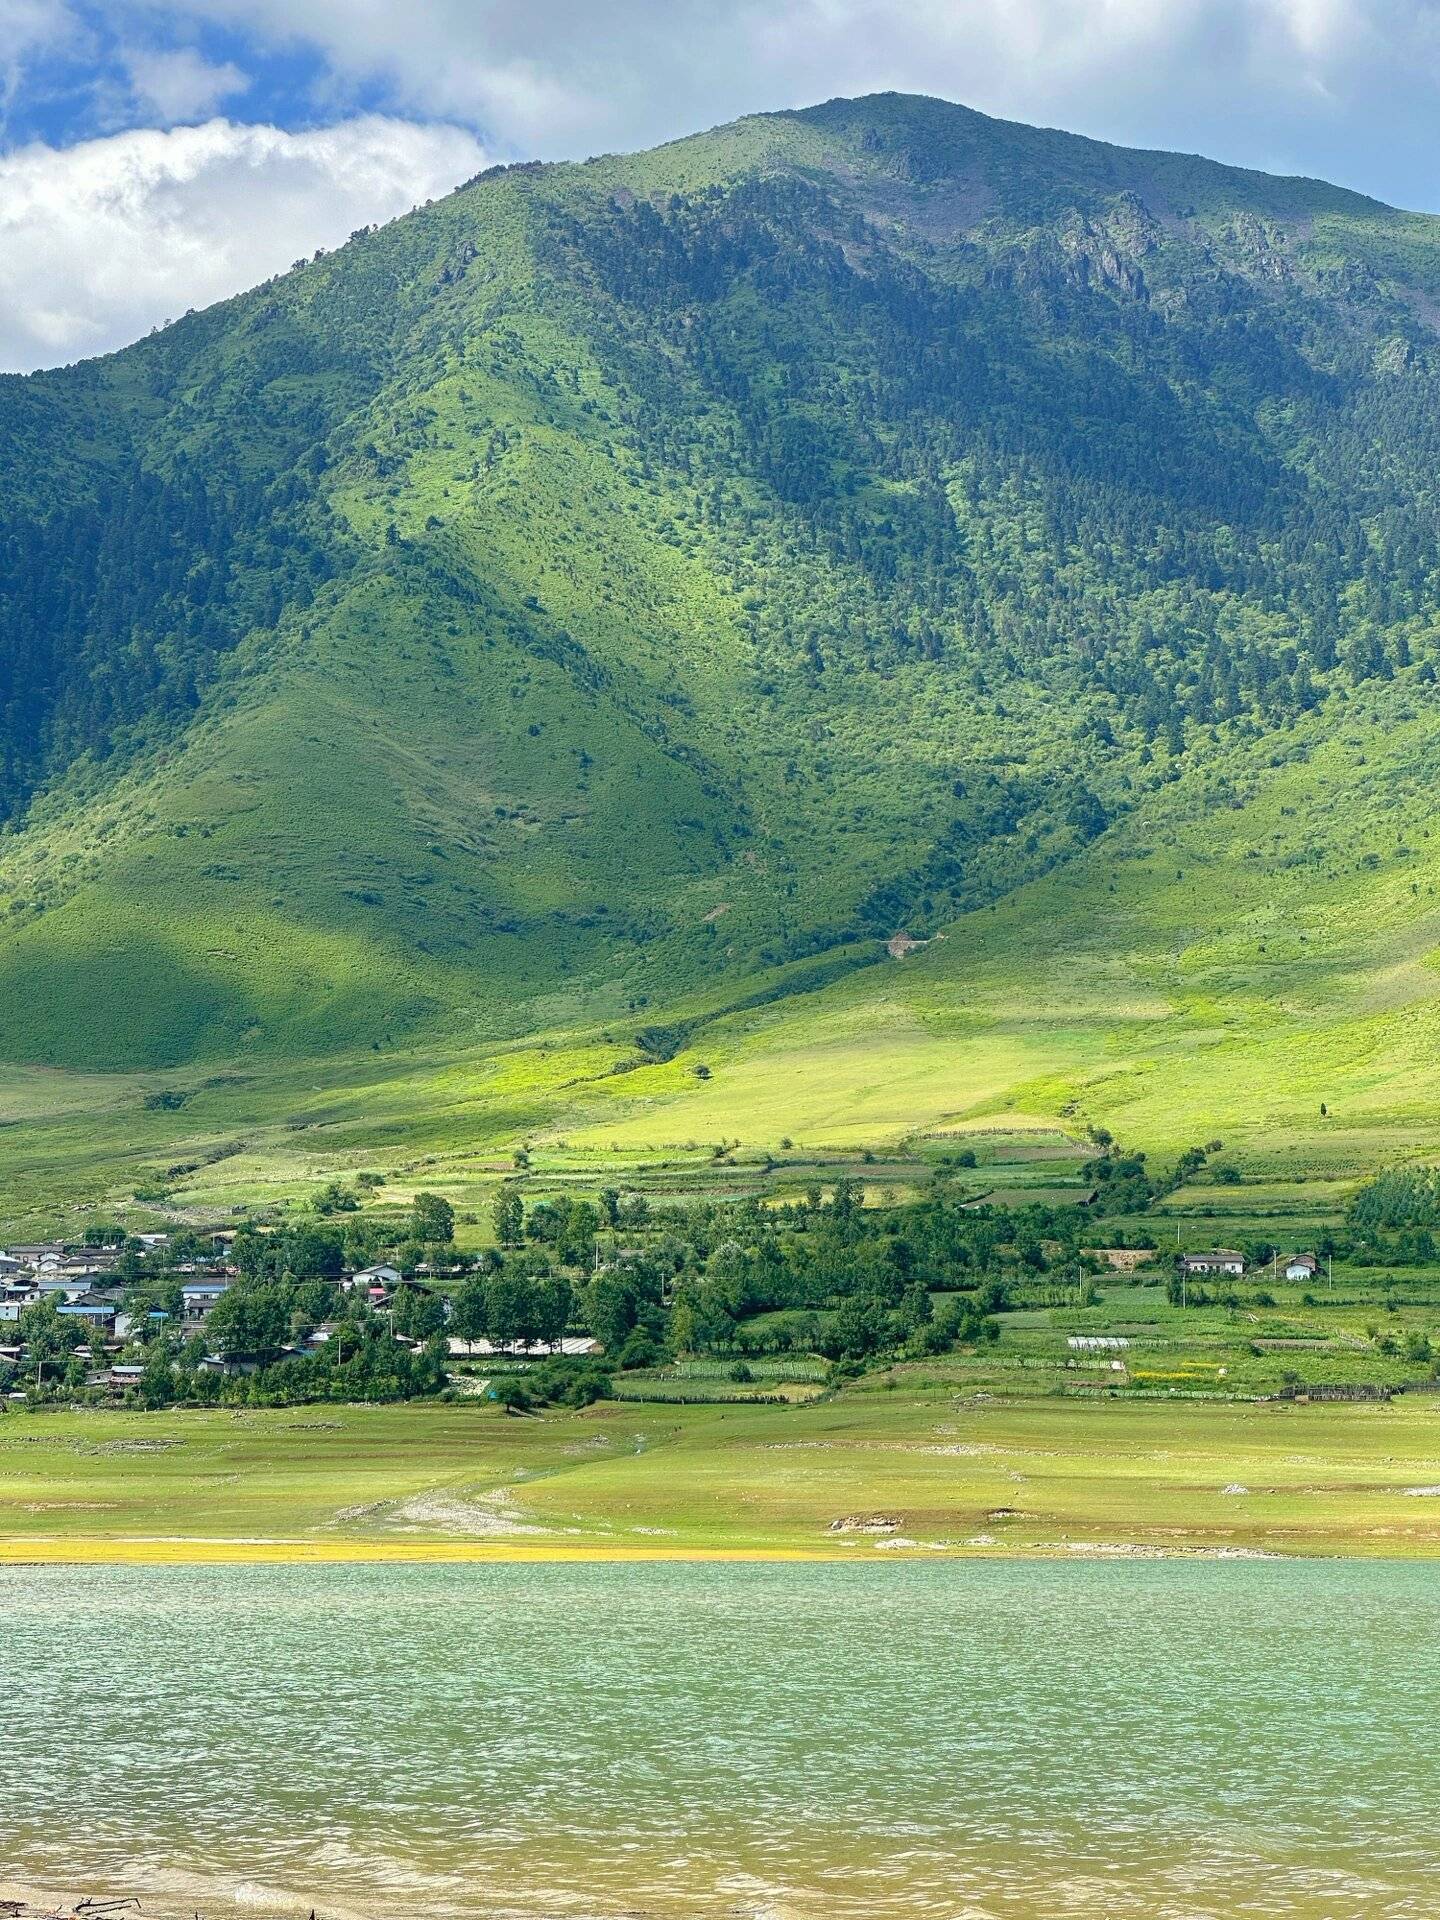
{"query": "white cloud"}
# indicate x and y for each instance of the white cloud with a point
(103, 240)
(26, 27)
(29, 23)
(177, 83)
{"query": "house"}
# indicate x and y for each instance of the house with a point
(61, 1286)
(81, 1274)
(90, 1260)
(197, 1297)
(15, 1296)
(616, 1257)
(368, 1279)
(30, 1253)
(572, 1347)
(92, 1307)
(232, 1365)
(118, 1378)
(152, 1240)
(1301, 1267)
(1218, 1260)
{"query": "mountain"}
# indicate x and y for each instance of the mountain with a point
(629, 602)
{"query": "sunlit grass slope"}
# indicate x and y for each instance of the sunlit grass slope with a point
(1246, 948)
(1254, 944)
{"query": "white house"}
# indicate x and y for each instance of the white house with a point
(574, 1346)
(381, 1276)
(1301, 1267)
(1218, 1260)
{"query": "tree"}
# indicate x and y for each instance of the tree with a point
(512, 1308)
(861, 1327)
(727, 1278)
(699, 1323)
(432, 1219)
(157, 1381)
(251, 1318)
(418, 1313)
(611, 1306)
(915, 1309)
(50, 1337)
(845, 1202)
(469, 1312)
(509, 1215)
(554, 1304)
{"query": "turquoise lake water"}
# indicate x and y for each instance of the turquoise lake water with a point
(1157, 1739)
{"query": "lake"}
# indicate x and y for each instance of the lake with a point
(960, 1740)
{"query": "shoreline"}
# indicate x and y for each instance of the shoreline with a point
(196, 1552)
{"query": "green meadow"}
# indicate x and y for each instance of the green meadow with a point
(907, 1468)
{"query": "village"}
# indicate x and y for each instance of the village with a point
(89, 1290)
(90, 1315)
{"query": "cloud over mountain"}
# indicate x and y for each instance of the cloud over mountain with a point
(103, 240)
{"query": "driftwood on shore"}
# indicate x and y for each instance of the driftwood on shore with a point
(89, 1907)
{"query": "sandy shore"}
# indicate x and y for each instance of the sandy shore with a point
(176, 1897)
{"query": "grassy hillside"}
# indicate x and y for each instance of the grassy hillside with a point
(468, 686)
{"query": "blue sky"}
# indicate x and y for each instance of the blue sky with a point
(157, 154)
(82, 81)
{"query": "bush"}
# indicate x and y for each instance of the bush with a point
(569, 1383)
(639, 1350)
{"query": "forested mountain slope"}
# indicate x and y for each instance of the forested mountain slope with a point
(623, 592)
